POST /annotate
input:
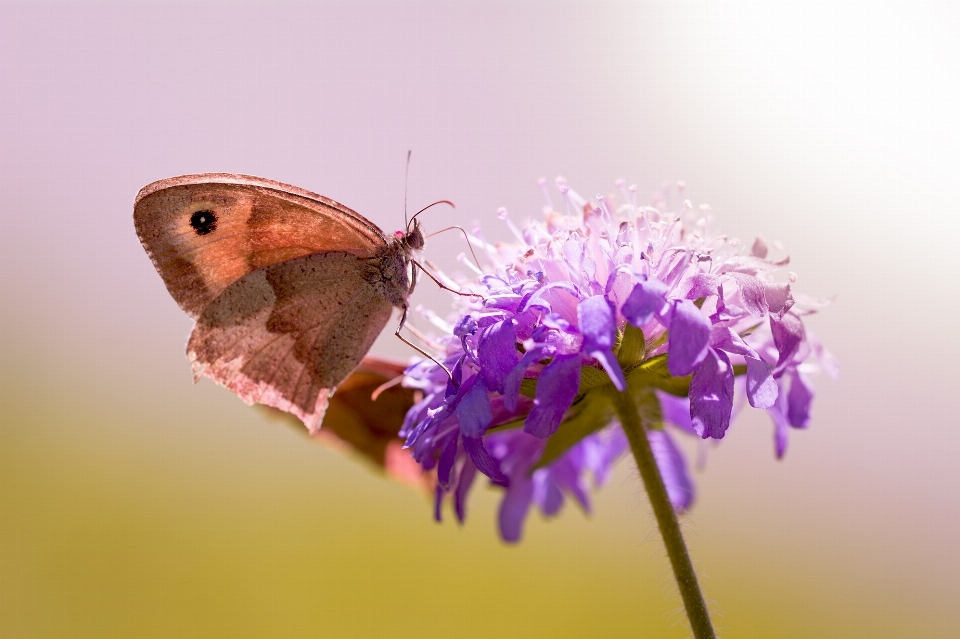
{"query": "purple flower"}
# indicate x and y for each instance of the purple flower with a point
(589, 303)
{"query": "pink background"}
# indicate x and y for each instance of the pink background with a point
(135, 504)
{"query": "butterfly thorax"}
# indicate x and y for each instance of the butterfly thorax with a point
(388, 270)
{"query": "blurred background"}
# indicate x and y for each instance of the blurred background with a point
(133, 503)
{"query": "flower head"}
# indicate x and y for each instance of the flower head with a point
(604, 298)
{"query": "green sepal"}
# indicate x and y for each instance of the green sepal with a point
(631, 348)
(653, 372)
(591, 377)
(654, 363)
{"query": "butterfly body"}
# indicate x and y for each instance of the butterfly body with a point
(289, 288)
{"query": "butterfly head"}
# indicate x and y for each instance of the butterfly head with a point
(410, 240)
(413, 238)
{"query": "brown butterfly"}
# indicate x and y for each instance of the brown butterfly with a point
(289, 288)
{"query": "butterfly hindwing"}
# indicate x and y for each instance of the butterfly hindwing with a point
(285, 335)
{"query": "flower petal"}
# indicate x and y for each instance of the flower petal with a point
(545, 492)
(566, 474)
(779, 297)
(497, 354)
(445, 465)
(484, 462)
(752, 293)
(467, 474)
(761, 386)
(700, 285)
(689, 338)
(676, 410)
(514, 508)
(473, 409)
(599, 454)
(438, 503)
(556, 389)
(645, 300)
(610, 364)
(673, 469)
(787, 336)
(597, 319)
(799, 400)
(780, 426)
(511, 384)
(563, 295)
(711, 395)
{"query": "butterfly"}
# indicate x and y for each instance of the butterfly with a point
(288, 288)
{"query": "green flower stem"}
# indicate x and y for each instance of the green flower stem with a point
(666, 517)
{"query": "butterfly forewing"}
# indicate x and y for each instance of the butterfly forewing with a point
(204, 232)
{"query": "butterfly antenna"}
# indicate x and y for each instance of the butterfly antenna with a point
(452, 205)
(406, 184)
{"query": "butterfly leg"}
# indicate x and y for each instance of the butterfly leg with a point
(413, 281)
(403, 320)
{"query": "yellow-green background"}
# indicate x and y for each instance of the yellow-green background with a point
(134, 504)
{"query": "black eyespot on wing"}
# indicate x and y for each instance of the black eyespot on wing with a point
(203, 222)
